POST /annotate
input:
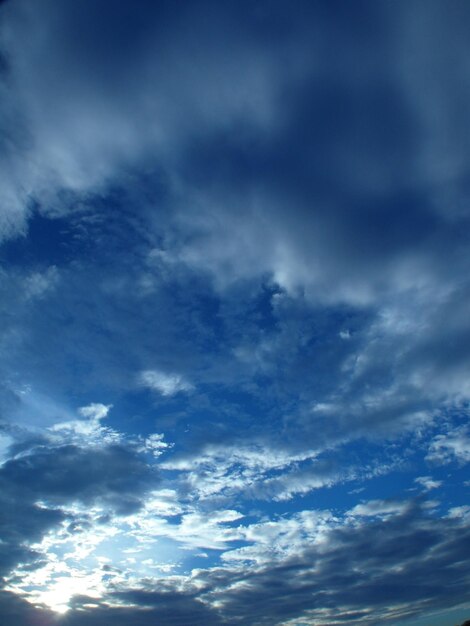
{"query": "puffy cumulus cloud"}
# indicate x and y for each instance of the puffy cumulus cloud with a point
(65, 490)
(23, 523)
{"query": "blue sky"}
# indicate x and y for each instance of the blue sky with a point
(235, 348)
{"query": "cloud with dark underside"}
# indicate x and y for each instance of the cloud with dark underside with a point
(40, 488)
(355, 575)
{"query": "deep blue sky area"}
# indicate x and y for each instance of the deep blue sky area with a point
(234, 313)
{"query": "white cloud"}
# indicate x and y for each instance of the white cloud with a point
(195, 529)
(230, 469)
(68, 564)
(279, 539)
(379, 508)
(451, 446)
(462, 512)
(257, 456)
(87, 430)
(95, 411)
(164, 383)
(155, 444)
(428, 482)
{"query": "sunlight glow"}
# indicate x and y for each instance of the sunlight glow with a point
(57, 595)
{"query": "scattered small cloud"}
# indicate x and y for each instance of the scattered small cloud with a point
(453, 445)
(165, 384)
(428, 483)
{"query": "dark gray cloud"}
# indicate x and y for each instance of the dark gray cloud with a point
(114, 476)
(166, 606)
(14, 610)
(36, 486)
(360, 575)
(168, 609)
(380, 572)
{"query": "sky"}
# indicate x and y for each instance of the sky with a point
(234, 312)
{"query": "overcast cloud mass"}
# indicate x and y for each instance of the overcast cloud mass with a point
(234, 312)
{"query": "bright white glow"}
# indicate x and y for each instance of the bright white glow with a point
(62, 589)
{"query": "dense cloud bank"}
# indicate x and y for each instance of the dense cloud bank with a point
(354, 575)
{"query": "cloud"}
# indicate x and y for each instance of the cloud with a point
(348, 243)
(428, 483)
(87, 430)
(167, 607)
(379, 508)
(41, 487)
(155, 444)
(197, 529)
(321, 572)
(166, 384)
(244, 227)
(94, 136)
(363, 574)
(95, 411)
(114, 476)
(20, 612)
(453, 445)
